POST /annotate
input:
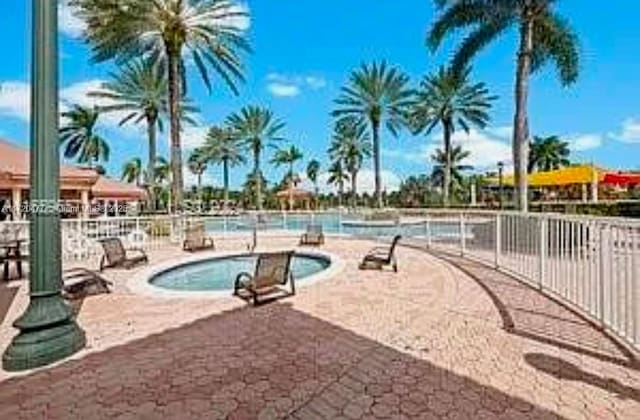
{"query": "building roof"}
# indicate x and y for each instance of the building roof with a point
(15, 163)
(579, 174)
(294, 192)
(108, 188)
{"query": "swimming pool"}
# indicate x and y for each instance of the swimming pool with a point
(219, 273)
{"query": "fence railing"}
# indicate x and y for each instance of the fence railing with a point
(593, 264)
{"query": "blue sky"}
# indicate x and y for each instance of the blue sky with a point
(304, 51)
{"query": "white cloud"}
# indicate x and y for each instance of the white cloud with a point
(193, 137)
(283, 90)
(282, 85)
(630, 132)
(584, 142)
(486, 148)
(69, 23)
(15, 99)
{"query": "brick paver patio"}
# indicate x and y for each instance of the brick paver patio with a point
(441, 339)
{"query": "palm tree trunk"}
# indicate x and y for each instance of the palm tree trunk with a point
(375, 125)
(225, 176)
(257, 178)
(151, 164)
(340, 192)
(354, 189)
(521, 123)
(174, 80)
(447, 165)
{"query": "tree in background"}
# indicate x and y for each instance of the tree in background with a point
(197, 164)
(79, 136)
(450, 101)
(337, 177)
(378, 95)
(548, 153)
(256, 128)
(132, 171)
(544, 36)
(456, 164)
(313, 171)
(223, 148)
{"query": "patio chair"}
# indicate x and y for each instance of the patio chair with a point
(272, 271)
(116, 256)
(197, 239)
(313, 236)
(80, 282)
(381, 257)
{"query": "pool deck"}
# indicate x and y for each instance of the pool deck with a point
(442, 339)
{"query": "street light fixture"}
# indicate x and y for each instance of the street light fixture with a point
(501, 184)
(48, 331)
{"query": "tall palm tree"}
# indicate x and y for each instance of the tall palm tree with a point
(379, 95)
(313, 171)
(197, 164)
(139, 91)
(222, 147)
(256, 128)
(457, 166)
(132, 171)
(79, 136)
(451, 101)
(548, 153)
(338, 176)
(169, 31)
(544, 36)
(352, 146)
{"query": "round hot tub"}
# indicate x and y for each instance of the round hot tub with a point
(217, 274)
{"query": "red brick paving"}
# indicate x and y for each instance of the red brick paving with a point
(431, 342)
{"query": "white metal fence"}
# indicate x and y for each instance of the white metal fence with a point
(590, 263)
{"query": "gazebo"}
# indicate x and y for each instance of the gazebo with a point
(293, 198)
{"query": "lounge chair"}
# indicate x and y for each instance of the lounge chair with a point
(381, 257)
(80, 282)
(116, 256)
(272, 271)
(314, 236)
(196, 239)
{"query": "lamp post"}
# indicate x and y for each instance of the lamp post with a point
(48, 331)
(501, 184)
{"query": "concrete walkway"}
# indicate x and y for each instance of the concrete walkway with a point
(439, 340)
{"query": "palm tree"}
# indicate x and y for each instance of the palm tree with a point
(548, 153)
(351, 145)
(132, 171)
(197, 164)
(169, 31)
(80, 138)
(139, 90)
(544, 36)
(457, 166)
(379, 95)
(288, 157)
(338, 176)
(313, 171)
(451, 101)
(162, 170)
(222, 147)
(256, 128)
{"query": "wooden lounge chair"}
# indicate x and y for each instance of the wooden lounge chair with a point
(197, 239)
(116, 256)
(314, 236)
(272, 271)
(381, 257)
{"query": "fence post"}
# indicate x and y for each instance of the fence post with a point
(427, 228)
(463, 235)
(498, 241)
(604, 269)
(542, 258)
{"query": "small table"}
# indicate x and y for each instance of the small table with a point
(12, 252)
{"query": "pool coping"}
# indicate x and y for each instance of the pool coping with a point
(139, 283)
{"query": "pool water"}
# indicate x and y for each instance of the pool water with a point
(219, 274)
